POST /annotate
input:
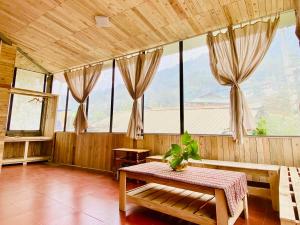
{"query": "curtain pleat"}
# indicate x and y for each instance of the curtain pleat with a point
(234, 55)
(81, 82)
(137, 73)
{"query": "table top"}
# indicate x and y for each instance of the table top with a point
(131, 150)
(234, 184)
(24, 139)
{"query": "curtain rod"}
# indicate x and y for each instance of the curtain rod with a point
(159, 46)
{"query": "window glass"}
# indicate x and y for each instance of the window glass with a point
(162, 113)
(122, 104)
(26, 110)
(206, 102)
(273, 92)
(99, 101)
(29, 80)
(26, 113)
(71, 112)
(59, 87)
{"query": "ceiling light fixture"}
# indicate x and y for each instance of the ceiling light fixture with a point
(102, 21)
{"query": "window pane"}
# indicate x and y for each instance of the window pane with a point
(59, 87)
(122, 104)
(72, 110)
(273, 91)
(29, 80)
(26, 113)
(99, 101)
(26, 110)
(162, 97)
(206, 102)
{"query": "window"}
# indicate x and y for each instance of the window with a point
(161, 106)
(273, 92)
(71, 112)
(26, 110)
(122, 104)
(59, 87)
(29, 80)
(99, 101)
(206, 102)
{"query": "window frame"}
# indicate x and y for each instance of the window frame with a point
(47, 85)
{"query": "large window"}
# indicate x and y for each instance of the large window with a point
(99, 101)
(273, 91)
(59, 87)
(206, 102)
(162, 113)
(122, 104)
(27, 106)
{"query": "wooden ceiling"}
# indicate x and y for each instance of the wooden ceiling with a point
(60, 34)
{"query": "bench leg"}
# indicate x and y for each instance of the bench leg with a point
(245, 203)
(221, 207)
(122, 191)
(274, 189)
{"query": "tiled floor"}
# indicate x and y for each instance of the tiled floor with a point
(47, 195)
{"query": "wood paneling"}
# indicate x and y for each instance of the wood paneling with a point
(16, 149)
(64, 145)
(60, 34)
(7, 63)
(93, 150)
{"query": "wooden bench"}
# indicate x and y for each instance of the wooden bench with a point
(25, 159)
(270, 172)
(289, 195)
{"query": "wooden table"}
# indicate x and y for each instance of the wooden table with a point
(198, 204)
(270, 172)
(128, 156)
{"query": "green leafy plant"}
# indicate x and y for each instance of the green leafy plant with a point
(261, 128)
(177, 154)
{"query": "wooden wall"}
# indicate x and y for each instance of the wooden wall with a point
(93, 150)
(16, 149)
(7, 63)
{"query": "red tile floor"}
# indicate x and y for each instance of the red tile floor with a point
(40, 194)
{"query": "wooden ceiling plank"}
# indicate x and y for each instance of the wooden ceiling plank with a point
(60, 34)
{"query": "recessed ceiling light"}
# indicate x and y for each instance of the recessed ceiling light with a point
(102, 21)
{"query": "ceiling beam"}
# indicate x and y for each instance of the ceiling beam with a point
(32, 60)
(7, 41)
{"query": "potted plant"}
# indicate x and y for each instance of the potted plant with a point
(178, 156)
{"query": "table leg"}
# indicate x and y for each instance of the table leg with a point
(26, 153)
(274, 188)
(122, 191)
(221, 207)
(245, 203)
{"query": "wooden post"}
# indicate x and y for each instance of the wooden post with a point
(1, 153)
(26, 147)
(7, 64)
(221, 207)
(122, 191)
(274, 188)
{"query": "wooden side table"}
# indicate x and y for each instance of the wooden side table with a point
(127, 157)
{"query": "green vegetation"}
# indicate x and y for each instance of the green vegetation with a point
(261, 128)
(178, 154)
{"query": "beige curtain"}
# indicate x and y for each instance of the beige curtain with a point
(234, 55)
(297, 10)
(81, 82)
(138, 72)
